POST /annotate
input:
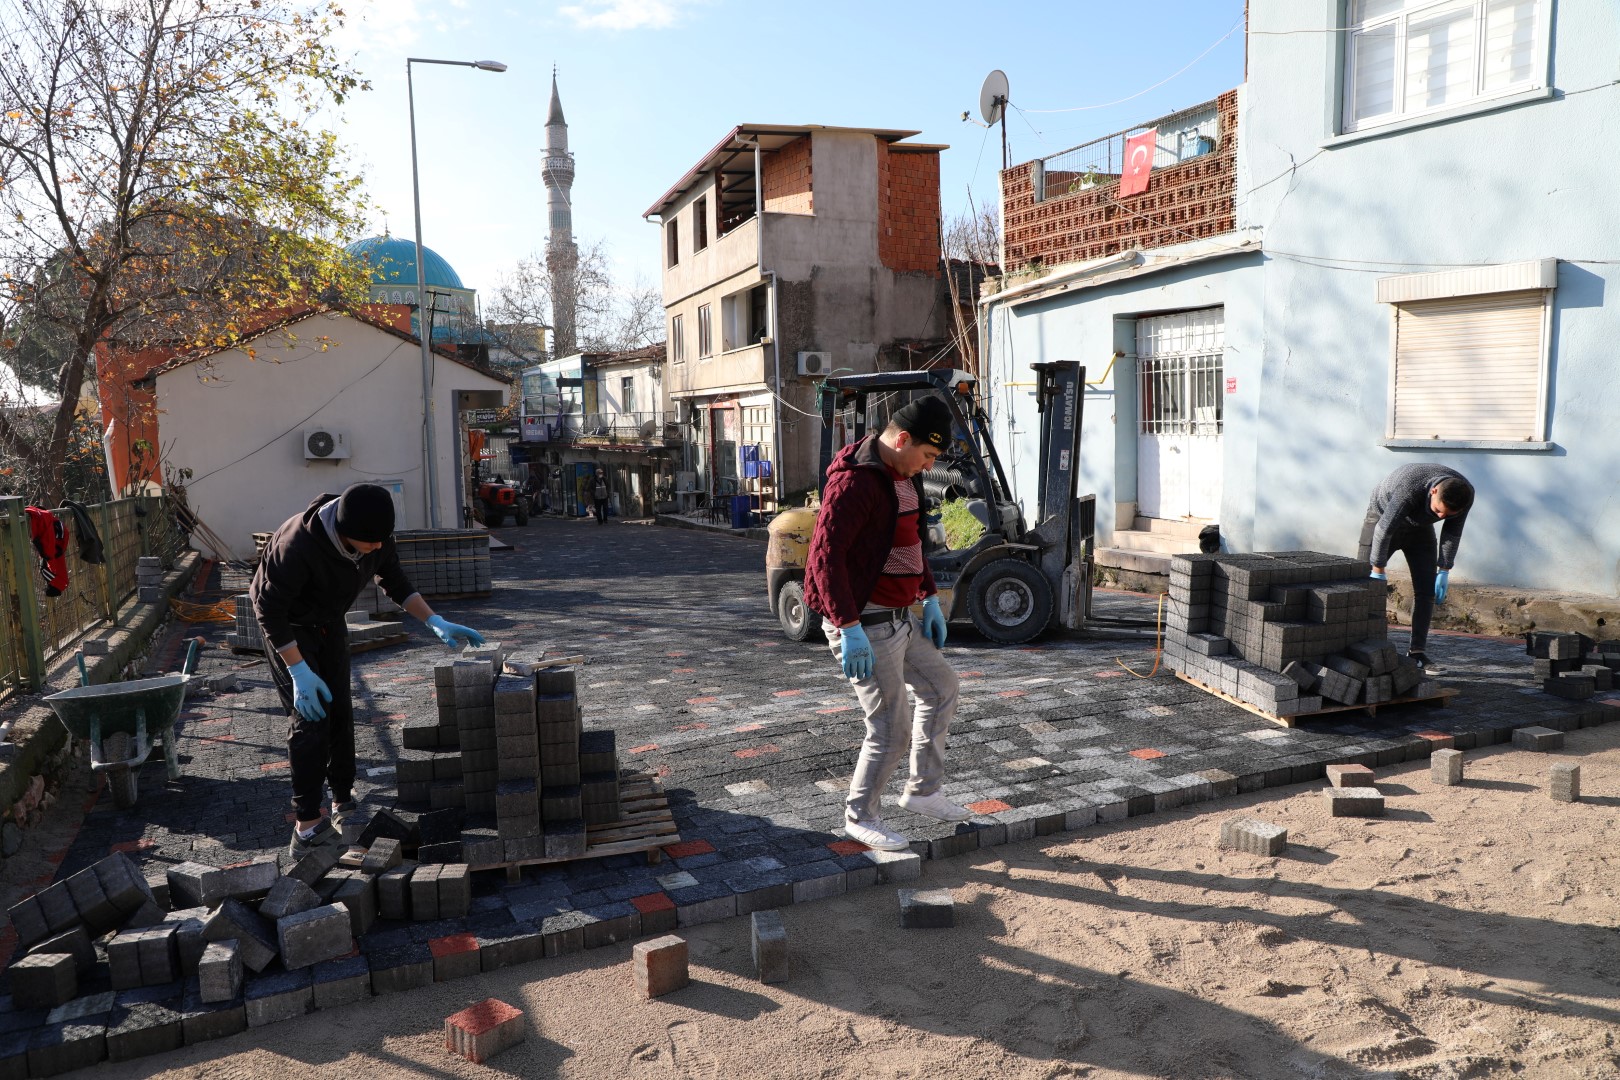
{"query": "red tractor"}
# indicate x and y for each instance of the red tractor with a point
(493, 499)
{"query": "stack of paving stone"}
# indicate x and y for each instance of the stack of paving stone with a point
(508, 748)
(446, 562)
(364, 627)
(1284, 631)
(1573, 666)
(112, 965)
(149, 580)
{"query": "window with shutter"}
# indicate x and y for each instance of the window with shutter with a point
(1470, 369)
(1405, 58)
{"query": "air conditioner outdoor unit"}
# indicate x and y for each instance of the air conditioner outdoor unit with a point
(325, 444)
(815, 363)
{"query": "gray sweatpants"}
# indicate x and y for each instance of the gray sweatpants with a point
(902, 659)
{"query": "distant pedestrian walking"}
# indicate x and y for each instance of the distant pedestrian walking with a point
(599, 498)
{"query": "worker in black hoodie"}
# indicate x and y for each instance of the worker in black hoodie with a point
(311, 572)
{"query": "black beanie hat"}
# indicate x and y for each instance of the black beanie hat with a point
(365, 512)
(926, 420)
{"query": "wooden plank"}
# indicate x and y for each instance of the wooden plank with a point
(1439, 700)
(648, 827)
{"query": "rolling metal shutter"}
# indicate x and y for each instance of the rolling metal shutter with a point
(1470, 367)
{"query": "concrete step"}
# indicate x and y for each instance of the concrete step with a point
(1142, 562)
(1185, 527)
(1162, 543)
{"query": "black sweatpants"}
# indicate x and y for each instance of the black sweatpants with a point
(320, 752)
(1422, 553)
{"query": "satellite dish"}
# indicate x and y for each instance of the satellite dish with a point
(993, 96)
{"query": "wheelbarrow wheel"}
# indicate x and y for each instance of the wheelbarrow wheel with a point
(124, 787)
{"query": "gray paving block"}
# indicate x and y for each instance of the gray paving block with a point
(314, 866)
(219, 975)
(926, 909)
(97, 912)
(202, 1021)
(508, 946)
(284, 995)
(250, 880)
(254, 935)
(384, 854)
(308, 937)
(1343, 776)
(1446, 767)
(424, 886)
(1254, 836)
(394, 892)
(28, 920)
(63, 1047)
(1355, 802)
(288, 896)
(192, 884)
(44, 980)
(1537, 738)
(76, 943)
(770, 946)
(341, 981)
(1564, 782)
(57, 905)
(143, 1028)
(403, 967)
(455, 890)
(358, 895)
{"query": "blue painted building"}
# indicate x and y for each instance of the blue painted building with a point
(1418, 262)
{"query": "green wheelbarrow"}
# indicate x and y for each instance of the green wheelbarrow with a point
(121, 721)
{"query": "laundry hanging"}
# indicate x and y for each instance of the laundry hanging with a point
(51, 539)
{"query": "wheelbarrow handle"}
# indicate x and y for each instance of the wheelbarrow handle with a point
(191, 657)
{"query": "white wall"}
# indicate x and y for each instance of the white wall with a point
(237, 422)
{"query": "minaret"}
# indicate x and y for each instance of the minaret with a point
(562, 256)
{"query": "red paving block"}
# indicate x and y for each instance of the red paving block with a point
(971, 675)
(1439, 740)
(452, 944)
(847, 847)
(657, 901)
(659, 965)
(692, 727)
(747, 727)
(988, 806)
(1010, 693)
(688, 847)
(1108, 674)
(481, 1031)
(642, 749)
(273, 765)
(787, 693)
(755, 751)
(835, 709)
(682, 670)
(131, 845)
(701, 700)
(1147, 753)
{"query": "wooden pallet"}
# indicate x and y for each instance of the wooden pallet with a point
(645, 825)
(357, 647)
(1438, 700)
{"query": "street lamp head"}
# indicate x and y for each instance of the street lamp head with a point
(489, 65)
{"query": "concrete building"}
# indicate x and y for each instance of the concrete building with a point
(314, 404)
(1406, 259)
(604, 411)
(792, 253)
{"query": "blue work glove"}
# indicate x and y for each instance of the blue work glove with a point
(855, 652)
(933, 622)
(1379, 574)
(453, 634)
(309, 690)
(1440, 581)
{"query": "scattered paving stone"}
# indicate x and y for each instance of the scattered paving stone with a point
(1355, 802)
(1254, 836)
(481, 1031)
(44, 980)
(308, 937)
(384, 854)
(288, 896)
(76, 943)
(255, 937)
(1537, 738)
(659, 966)
(1343, 776)
(1446, 767)
(219, 976)
(926, 909)
(1564, 782)
(770, 946)
(455, 956)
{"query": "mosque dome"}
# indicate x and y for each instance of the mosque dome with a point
(393, 262)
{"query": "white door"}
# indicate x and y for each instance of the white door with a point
(1178, 440)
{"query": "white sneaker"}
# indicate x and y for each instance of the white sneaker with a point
(874, 835)
(935, 806)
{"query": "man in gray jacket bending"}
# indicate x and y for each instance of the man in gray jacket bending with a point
(1401, 517)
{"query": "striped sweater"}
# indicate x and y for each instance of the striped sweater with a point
(1402, 502)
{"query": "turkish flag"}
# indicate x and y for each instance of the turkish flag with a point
(1138, 162)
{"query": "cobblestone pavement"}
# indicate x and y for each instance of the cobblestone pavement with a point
(755, 736)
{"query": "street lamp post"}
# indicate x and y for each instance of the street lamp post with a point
(424, 328)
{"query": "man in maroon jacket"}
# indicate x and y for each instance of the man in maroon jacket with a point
(865, 569)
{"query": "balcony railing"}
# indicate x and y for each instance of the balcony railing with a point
(629, 430)
(1182, 136)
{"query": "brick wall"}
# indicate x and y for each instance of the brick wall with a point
(784, 178)
(1190, 200)
(908, 209)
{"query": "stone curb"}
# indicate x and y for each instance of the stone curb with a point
(672, 522)
(35, 732)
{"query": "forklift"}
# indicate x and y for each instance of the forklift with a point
(1018, 579)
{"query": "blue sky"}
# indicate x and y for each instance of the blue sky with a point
(649, 86)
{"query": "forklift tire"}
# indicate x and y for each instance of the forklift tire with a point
(492, 517)
(520, 513)
(798, 622)
(1009, 601)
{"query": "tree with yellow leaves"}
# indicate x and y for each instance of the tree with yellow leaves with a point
(163, 183)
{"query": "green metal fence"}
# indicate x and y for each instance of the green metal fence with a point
(35, 628)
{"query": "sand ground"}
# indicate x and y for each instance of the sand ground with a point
(1471, 932)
